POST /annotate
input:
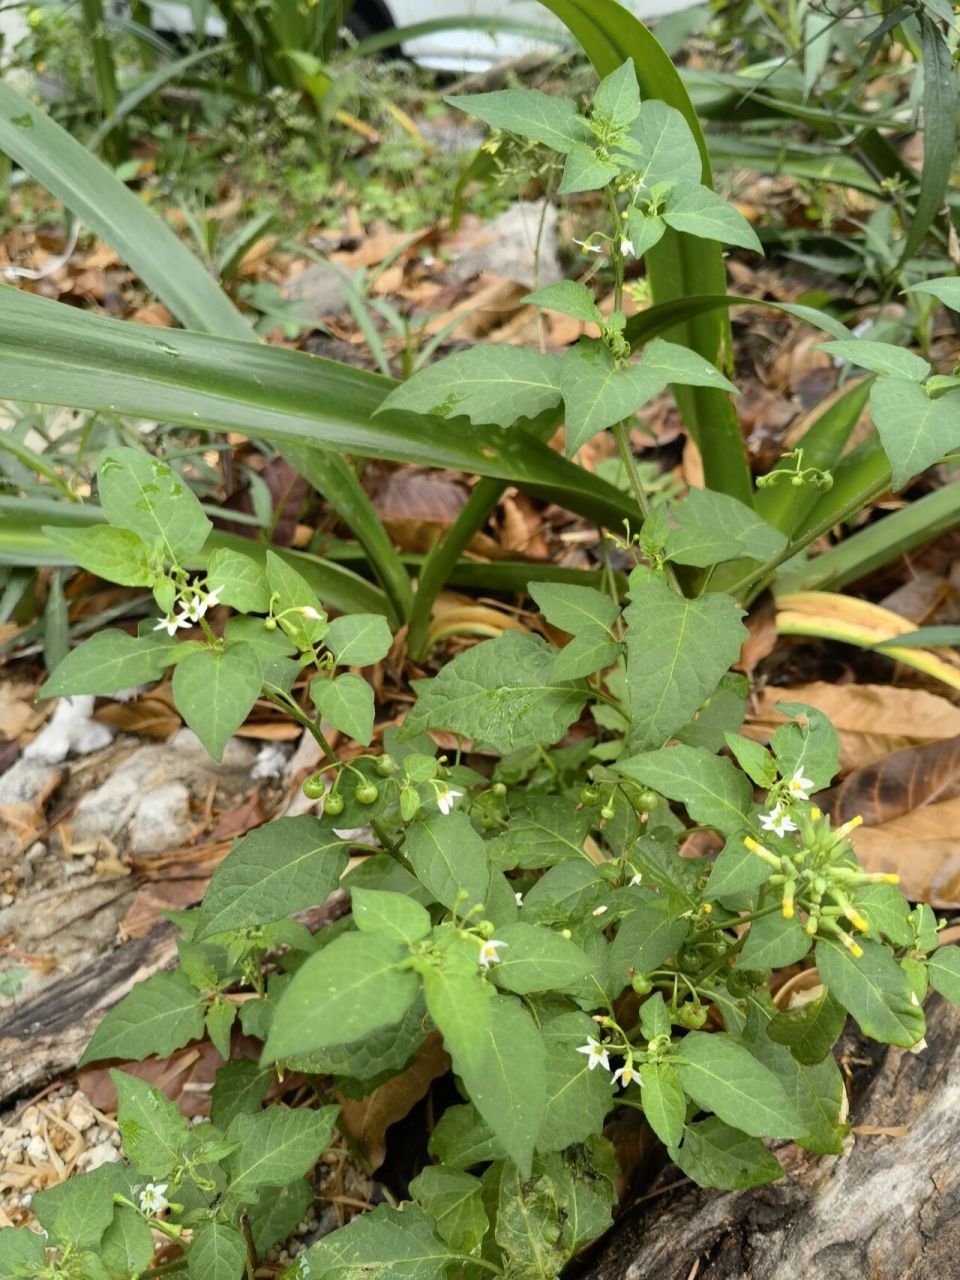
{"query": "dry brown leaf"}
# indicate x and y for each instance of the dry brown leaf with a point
(418, 507)
(872, 720)
(922, 847)
(901, 783)
(152, 715)
(366, 1120)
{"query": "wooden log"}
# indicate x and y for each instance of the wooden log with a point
(888, 1211)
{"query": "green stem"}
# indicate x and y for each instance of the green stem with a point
(286, 703)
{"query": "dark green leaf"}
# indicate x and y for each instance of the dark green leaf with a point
(715, 1154)
(811, 1031)
(110, 661)
(159, 1016)
(874, 989)
(724, 1077)
(215, 691)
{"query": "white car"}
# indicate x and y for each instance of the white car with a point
(455, 49)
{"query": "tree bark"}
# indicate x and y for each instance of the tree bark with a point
(888, 1211)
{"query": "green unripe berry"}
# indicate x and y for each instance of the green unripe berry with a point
(499, 789)
(314, 787)
(386, 765)
(589, 795)
(641, 984)
(333, 804)
(692, 1016)
(367, 793)
(606, 813)
(646, 801)
(270, 624)
(797, 481)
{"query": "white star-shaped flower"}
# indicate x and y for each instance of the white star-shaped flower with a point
(777, 821)
(490, 952)
(519, 898)
(447, 798)
(635, 879)
(799, 786)
(310, 614)
(625, 1075)
(152, 1198)
(626, 247)
(587, 247)
(171, 624)
(596, 1052)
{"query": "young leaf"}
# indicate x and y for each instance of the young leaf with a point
(499, 692)
(448, 857)
(810, 747)
(654, 1017)
(219, 1022)
(358, 639)
(597, 391)
(699, 211)
(272, 872)
(218, 1252)
(880, 357)
(152, 1128)
(454, 1201)
(119, 555)
(811, 1031)
(239, 581)
(391, 1244)
(463, 1138)
(714, 792)
(677, 652)
(159, 1016)
(663, 1102)
(578, 1099)
(945, 288)
(754, 759)
(529, 113)
(682, 366)
(915, 430)
(485, 384)
(712, 527)
(722, 713)
(617, 100)
(239, 1088)
(715, 1154)
(109, 661)
(585, 170)
(773, 942)
(347, 703)
(127, 1244)
(390, 913)
(663, 148)
(722, 1076)
(276, 1214)
(944, 971)
(537, 959)
(299, 612)
(275, 1146)
(874, 989)
(567, 297)
(350, 988)
(646, 230)
(141, 493)
(215, 691)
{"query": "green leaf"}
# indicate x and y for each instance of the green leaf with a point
(277, 1213)
(887, 911)
(501, 693)
(946, 288)
(677, 652)
(272, 872)
(874, 989)
(646, 231)
(736, 871)
(585, 170)
(463, 1138)
(616, 101)
(944, 971)
(152, 1128)
(300, 613)
(578, 1099)
(77, 1212)
(239, 1088)
(217, 1252)
(543, 830)
(109, 661)
(722, 1076)
(485, 384)
(391, 913)
(663, 1102)
(711, 528)
(722, 713)
(683, 367)
(811, 1031)
(271, 646)
(663, 148)
(215, 691)
(915, 431)
(569, 298)
(276, 1146)
(159, 1016)
(939, 128)
(22, 1253)
(359, 639)
(654, 1017)
(454, 1201)
(127, 1244)
(119, 555)
(649, 935)
(754, 759)
(589, 616)
(347, 702)
(564, 893)
(448, 857)
(880, 357)
(537, 959)
(350, 988)
(527, 1225)
(598, 392)
(239, 581)
(714, 792)
(715, 1154)
(391, 1244)
(699, 211)
(529, 113)
(774, 942)
(219, 1022)
(810, 747)
(141, 493)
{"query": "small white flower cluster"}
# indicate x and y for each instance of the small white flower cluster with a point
(153, 1198)
(191, 611)
(598, 1056)
(778, 820)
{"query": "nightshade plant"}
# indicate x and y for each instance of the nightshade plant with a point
(537, 915)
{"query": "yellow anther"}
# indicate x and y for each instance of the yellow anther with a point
(851, 946)
(707, 908)
(789, 889)
(857, 920)
(811, 926)
(847, 827)
(815, 814)
(760, 852)
(885, 877)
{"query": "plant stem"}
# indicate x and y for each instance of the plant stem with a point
(286, 703)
